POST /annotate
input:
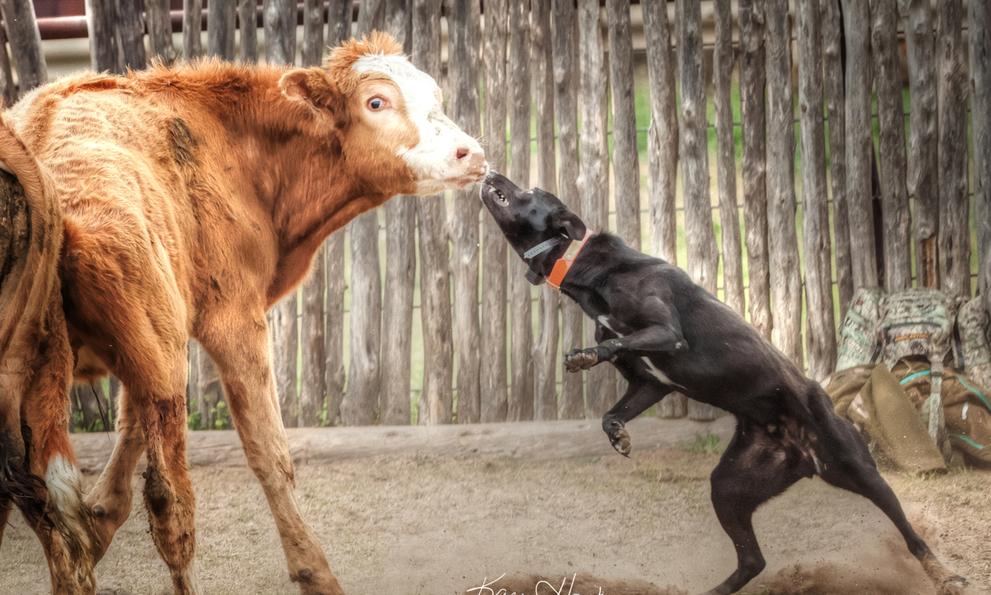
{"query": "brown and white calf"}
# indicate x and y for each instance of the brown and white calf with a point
(176, 203)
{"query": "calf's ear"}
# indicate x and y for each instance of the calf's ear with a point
(312, 87)
(568, 224)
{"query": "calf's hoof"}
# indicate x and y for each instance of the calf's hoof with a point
(952, 585)
(577, 360)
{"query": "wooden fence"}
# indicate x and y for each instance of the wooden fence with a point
(417, 313)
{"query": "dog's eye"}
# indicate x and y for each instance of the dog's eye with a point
(501, 198)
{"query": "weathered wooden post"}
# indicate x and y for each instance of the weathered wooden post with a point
(786, 287)
(702, 256)
(662, 139)
(280, 49)
(856, 23)
(436, 396)
(192, 25)
(594, 178)
(923, 172)
(954, 205)
(220, 29)
(979, 23)
(364, 377)
(821, 334)
(493, 324)
(626, 165)
(159, 24)
(832, 41)
(247, 17)
(520, 403)
(564, 38)
(313, 379)
(545, 351)
(662, 148)
(130, 31)
(8, 92)
(279, 19)
(752, 113)
(100, 19)
(25, 43)
(723, 60)
(463, 52)
(891, 149)
(339, 14)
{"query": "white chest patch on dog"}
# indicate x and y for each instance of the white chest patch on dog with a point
(656, 373)
(651, 368)
(604, 321)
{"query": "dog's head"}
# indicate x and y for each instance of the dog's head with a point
(536, 223)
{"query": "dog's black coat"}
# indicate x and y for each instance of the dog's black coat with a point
(663, 333)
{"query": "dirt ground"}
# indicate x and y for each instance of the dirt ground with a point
(437, 524)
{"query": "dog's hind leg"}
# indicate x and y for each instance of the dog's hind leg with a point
(754, 469)
(852, 468)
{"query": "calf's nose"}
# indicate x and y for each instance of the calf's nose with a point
(461, 153)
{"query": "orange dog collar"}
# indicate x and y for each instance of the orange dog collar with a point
(563, 265)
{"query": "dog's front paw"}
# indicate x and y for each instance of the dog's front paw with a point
(577, 360)
(618, 436)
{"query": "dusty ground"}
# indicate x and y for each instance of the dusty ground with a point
(406, 524)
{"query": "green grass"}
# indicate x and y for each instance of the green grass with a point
(704, 443)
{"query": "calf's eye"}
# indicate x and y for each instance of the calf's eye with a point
(377, 104)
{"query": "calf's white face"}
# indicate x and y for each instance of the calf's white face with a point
(396, 95)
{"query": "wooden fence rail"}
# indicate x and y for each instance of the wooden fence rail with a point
(417, 311)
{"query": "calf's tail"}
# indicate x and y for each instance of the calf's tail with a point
(30, 246)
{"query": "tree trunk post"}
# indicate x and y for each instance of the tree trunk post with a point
(25, 43)
(821, 332)
(786, 287)
(131, 31)
(626, 165)
(723, 60)
(701, 241)
(891, 146)
(564, 39)
(752, 112)
(832, 41)
(192, 27)
(464, 51)
(859, 148)
(954, 205)
(361, 402)
(545, 350)
(220, 24)
(980, 109)
(520, 406)
(436, 397)
(593, 181)
(493, 340)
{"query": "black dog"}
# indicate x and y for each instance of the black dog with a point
(663, 333)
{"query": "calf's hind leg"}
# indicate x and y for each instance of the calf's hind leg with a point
(238, 343)
(754, 469)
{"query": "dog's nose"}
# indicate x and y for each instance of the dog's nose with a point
(493, 174)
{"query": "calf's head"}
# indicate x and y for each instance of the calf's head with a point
(537, 225)
(388, 118)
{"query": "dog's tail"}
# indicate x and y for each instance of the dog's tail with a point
(31, 232)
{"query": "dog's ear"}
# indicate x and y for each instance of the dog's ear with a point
(568, 224)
